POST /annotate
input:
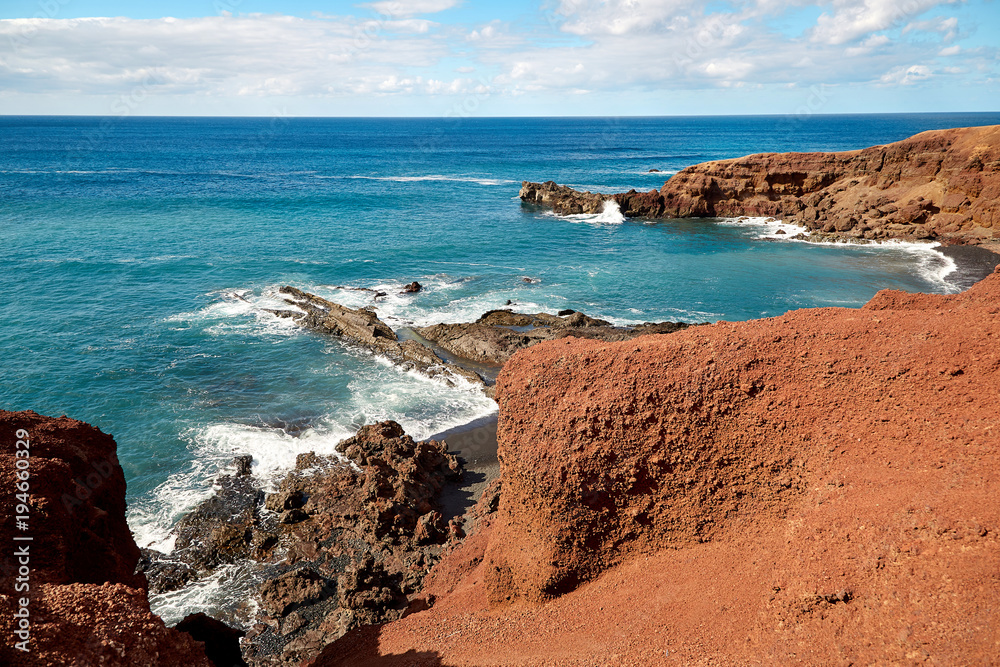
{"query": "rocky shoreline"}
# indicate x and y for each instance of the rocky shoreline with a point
(749, 478)
(938, 185)
(813, 488)
(470, 352)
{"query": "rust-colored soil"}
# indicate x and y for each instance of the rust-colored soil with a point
(817, 488)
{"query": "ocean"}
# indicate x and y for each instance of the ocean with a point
(139, 255)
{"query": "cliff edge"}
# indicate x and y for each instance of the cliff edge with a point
(69, 594)
(815, 488)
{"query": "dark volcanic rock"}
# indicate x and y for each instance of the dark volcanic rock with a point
(412, 288)
(362, 327)
(562, 199)
(222, 643)
(338, 544)
(220, 530)
(498, 334)
(164, 573)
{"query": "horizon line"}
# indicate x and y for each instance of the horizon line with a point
(456, 117)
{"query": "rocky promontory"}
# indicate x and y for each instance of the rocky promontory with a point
(363, 328)
(940, 184)
(489, 341)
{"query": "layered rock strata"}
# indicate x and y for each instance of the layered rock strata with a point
(941, 184)
(498, 334)
(490, 340)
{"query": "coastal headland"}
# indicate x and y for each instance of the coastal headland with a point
(941, 184)
(813, 488)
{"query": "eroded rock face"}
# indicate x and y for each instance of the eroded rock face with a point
(87, 605)
(562, 199)
(609, 450)
(942, 184)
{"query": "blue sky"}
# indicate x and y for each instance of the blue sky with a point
(520, 57)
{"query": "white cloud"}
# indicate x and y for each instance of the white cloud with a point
(406, 8)
(854, 19)
(600, 46)
(906, 76)
(250, 55)
(867, 46)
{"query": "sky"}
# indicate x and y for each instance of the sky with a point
(443, 58)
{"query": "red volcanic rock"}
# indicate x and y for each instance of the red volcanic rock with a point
(77, 513)
(85, 604)
(91, 624)
(942, 183)
(939, 184)
(669, 442)
(815, 488)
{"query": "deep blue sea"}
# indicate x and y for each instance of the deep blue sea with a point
(138, 255)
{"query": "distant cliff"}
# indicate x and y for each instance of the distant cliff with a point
(942, 184)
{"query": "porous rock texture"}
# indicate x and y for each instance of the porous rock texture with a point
(86, 604)
(815, 488)
(940, 184)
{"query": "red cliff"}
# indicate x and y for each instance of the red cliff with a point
(941, 184)
(816, 488)
(86, 605)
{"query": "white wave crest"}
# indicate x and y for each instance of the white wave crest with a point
(611, 214)
(429, 177)
(931, 264)
(766, 227)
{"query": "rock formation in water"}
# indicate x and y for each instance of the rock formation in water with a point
(340, 544)
(941, 184)
(490, 340)
(498, 334)
(363, 328)
(357, 552)
(815, 488)
(85, 605)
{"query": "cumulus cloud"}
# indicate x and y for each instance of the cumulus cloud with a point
(252, 55)
(906, 76)
(575, 46)
(406, 8)
(853, 19)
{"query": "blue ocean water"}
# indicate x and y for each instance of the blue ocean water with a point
(138, 255)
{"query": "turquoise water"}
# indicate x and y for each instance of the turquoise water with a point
(138, 254)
